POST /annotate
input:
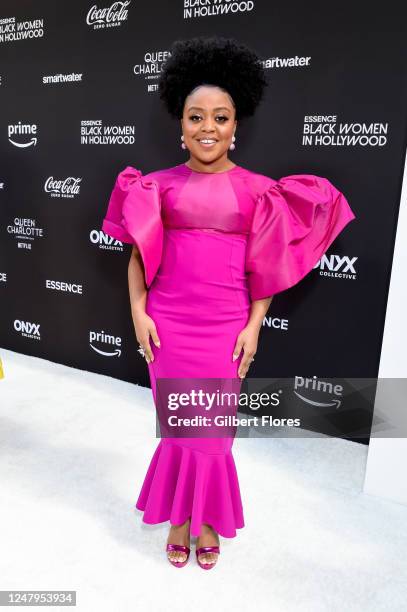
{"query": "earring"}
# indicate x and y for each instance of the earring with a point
(183, 145)
(232, 146)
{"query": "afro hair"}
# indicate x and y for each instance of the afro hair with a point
(213, 60)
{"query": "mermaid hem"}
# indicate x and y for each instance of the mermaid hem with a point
(182, 482)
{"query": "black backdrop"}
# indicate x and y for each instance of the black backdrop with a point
(64, 65)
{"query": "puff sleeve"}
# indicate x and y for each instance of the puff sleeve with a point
(134, 216)
(294, 222)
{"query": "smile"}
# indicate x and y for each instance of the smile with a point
(207, 142)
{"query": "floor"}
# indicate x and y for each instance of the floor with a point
(75, 447)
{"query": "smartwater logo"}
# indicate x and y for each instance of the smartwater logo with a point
(338, 266)
(56, 79)
(68, 187)
(297, 61)
(22, 132)
(318, 393)
(109, 17)
(28, 329)
(105, 344)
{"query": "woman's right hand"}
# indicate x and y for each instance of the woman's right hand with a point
(145, 327)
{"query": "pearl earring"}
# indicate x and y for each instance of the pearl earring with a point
(232, 146)
(183, 145)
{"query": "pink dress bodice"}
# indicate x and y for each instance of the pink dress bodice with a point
(288, 223)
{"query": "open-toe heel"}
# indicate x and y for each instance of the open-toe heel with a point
(181, 548)
(207, 549)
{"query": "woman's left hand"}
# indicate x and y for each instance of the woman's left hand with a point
(246, 340)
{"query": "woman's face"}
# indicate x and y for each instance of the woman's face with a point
(208, 114)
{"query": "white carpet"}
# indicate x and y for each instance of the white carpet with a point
(74, 450)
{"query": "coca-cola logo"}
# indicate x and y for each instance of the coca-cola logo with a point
(111, 15)
(68, 187)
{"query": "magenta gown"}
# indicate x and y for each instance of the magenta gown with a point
(210, 244)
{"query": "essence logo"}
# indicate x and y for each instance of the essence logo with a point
(23, 131)
(275, 323)
(104, 241)
(94, 132)
(114, 343)
(28, 329)
(207, 8)
(65, 188)
(107, 17)
(12, 30)
(325, 388)
(64, 286)
(339, 266)
(326, 130)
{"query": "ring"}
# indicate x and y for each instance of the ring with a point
(141, 350)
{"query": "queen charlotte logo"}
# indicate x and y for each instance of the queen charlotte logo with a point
(25, 231)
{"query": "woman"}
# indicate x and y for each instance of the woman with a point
(212, 243)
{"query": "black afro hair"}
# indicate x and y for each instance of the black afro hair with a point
(213, 60)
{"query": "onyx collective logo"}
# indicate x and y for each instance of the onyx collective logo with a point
(338, 266)
(105, 242)
(28, 329)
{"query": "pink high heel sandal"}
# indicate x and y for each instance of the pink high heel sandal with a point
(207, 549)
(181, 548)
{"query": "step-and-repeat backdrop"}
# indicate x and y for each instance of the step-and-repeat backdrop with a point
(79, 102)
